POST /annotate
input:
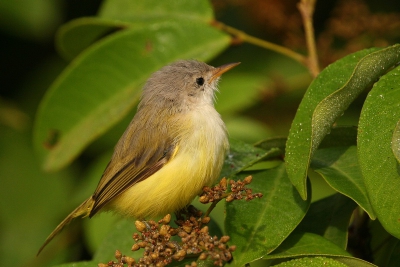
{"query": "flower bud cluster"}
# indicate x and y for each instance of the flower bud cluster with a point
(159, 249)
(238, 190)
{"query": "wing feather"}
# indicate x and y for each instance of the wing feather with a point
(138, 154)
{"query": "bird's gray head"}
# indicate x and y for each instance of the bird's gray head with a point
(183, 85)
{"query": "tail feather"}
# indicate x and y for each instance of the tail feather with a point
(82, 210)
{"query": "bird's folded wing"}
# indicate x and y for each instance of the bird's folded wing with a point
(116, 180)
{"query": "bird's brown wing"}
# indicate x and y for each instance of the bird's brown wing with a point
(132, 163)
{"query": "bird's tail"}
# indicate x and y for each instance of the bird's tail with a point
(82, 210)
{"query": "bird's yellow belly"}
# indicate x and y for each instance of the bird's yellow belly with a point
(172, 187)
(196, 163)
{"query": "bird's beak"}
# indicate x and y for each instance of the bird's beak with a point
(222, 69)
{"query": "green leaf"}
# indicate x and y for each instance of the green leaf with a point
(330, 218)
(340, 168)
(300, 244)
(354, 262)
(396, 142)
(380, 168)
(120, 237)
(242, 156)
(327, 261)
(257, 227)
(312, 262)
(79, 264)
(270, 143)
(77, 35)
(205, 263)
(326, 99)
(103, 84)
(308, 244)
(388, 253)
(340, 136)
(127, 10)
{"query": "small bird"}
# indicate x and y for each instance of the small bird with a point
(173, 147)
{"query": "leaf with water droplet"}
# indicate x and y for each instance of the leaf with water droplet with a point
(378, 145)
(326, 99)
(396, 142)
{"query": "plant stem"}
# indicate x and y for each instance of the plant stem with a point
(212, 206)
(306, 8)
(242, 36)
(214, 203)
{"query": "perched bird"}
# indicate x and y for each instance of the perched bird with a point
(173, 147)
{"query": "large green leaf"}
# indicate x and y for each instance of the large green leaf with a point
(340, 168)
(257, 227)
(119, 238)
(396, 142)
(312, 262)
(309, 244)
(340, 136)
(103, 83)
(330, 218)
(78, 264)
(77, 35)
(390, 253)
(127, 10)
(326, 99)
(298, 244)
(273, 143)
(378, 121)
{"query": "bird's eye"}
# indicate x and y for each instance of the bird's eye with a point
(200, 81)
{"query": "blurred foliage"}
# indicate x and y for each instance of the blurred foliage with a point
(67, 64)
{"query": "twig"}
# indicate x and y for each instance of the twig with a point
(306, 8)
(242, 36)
